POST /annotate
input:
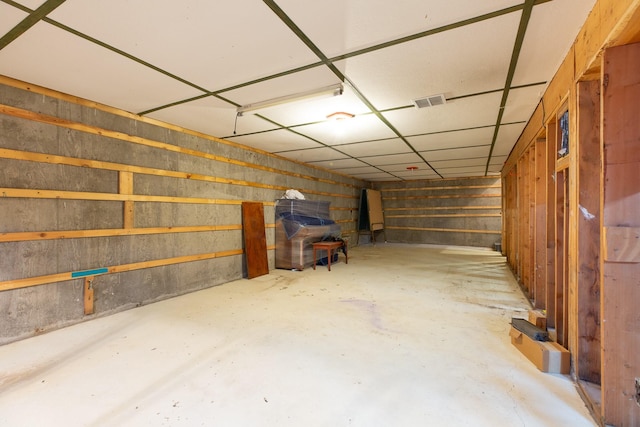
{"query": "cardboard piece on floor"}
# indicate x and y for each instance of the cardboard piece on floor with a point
(538, 318)
(545, 355)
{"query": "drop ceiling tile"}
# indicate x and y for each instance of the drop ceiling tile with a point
(417, 175)
(358, 170)
(521, 104)
(552, 29)
(463, 174)
(456, 153)
(455, 163)
(340, 164)
(211, 116)
(375, 148)
(507, 137)
(454, 139)
(408, 168)
(314, 154)
(9, 18)
(277, 141)
(377, 176)
(359, 128)
(32, 4)
(397, 75)
(496, 160)
(466, 113)
(497, 163)
(78, 67)
(393, 159)
(351, 29)
(212, 43)
(477, 167)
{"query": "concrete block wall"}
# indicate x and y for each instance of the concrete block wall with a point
(461, 212)
(64, 168)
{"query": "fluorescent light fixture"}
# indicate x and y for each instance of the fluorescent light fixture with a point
(333, 90)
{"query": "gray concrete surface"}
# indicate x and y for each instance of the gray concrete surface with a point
(30, 311)
(404, 335)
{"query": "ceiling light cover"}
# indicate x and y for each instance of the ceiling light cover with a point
(340, 115)
(333, 90)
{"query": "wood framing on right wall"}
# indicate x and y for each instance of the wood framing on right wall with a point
(571, 210)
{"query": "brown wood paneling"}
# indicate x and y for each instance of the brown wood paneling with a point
(540, 218)
(66, 276)
(531, 218)
(510, 202)
(622, 244)
(588, 233)
(561, 257)
(620, 207)
(551, 221)
(374, 202)
(255, 240)
(526, 224)
(520, 169)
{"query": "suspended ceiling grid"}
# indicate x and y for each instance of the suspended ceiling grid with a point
(193, 63)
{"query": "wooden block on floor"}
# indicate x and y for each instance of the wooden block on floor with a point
(538, 318)
(547, 356)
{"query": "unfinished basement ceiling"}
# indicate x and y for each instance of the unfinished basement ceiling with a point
(192, 63)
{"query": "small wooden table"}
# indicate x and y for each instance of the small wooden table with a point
(329, 247)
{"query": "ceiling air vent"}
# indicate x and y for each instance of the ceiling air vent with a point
(430, 101)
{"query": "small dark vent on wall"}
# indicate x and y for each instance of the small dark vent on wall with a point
(430, 101)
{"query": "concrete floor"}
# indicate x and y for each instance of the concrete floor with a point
(401, 336)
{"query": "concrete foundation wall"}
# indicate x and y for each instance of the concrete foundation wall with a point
(463, 211)
(64, 213)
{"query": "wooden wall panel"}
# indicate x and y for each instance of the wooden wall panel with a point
(561, 220)
(550, 303)
(523, 221)
(588, 233)
(600, 329)
(255, 239)
(540, 238)
(531, 215)
(620, 207)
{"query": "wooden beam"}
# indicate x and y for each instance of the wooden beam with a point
(446, 196)
(550, 303)
(427, 208)
(447, 230)
(79, 195)
(113, 232)
(587, 358)
(62, 277)
(525, 208)
(88, 295)
(94, 130)
(448, 187)
(125, 186)
(540, 219)
(96, 164)
(470, 215)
